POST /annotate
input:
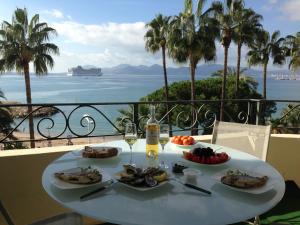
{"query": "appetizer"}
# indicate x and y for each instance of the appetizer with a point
(99, 152)
(138, 177)
(183, 140)
(205, 156)
(178, 168)
(242, 180)
(80, 176)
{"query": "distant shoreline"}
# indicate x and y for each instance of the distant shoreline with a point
(21, 112)
(202, 69)
(76, 141)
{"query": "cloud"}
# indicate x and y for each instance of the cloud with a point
(54, 13)
(111, 44)
(272, 2)
(103, 35)
(290, 10)
(270, 5)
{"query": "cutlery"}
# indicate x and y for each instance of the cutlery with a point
(193, 186)
(107, 184)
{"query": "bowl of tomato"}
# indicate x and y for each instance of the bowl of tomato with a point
(186, 142)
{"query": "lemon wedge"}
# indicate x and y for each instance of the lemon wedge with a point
(162, 177)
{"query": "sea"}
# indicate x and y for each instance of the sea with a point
(58, 88)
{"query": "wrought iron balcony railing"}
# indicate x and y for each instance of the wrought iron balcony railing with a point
(81, 120)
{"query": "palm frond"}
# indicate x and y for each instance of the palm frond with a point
(188, 7)
(200, 7)
(22, 42)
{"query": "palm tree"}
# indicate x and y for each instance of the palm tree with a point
(248, 24)
(23, 42)
(156, 39)
(192, 38)
(225, 13)
(293, 51)
(264, 47)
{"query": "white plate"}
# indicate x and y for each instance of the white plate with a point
(78, 153)
(204, 164)
(64, 185)
(260, 190)
(117, 176)
(189, 147)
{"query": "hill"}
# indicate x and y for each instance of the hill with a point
(205, 69)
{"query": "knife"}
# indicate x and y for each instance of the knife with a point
(193, 187)
(197, 188)
(109, 183)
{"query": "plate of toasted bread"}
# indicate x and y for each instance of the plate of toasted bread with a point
(79, 177)
(98, 152)
(244, 181)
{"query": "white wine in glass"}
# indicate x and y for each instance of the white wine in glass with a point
(130, 137)
(163, 140)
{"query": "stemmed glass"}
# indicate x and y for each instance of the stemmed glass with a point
(163, 140)
(130, 137)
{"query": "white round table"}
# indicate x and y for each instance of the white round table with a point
(172, 203)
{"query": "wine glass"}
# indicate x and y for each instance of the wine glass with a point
(163, 140)
(130, 137)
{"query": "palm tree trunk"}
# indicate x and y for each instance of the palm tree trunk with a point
(223, 95)
(194, 130)
(238, 69)
(29, 109)
(265, 81)
(165, 73)
(166, 87)
(192, 71)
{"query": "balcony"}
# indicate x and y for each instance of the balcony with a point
(21, 169)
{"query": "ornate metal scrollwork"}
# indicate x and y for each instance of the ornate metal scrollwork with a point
(89, 117)
(184, 115)
(52, 123)
(243, 117)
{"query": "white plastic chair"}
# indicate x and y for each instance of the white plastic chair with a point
(252, 139)
(62, 219)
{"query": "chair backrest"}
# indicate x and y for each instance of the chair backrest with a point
(252, 139)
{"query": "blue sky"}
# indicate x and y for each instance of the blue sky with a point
(110, 32)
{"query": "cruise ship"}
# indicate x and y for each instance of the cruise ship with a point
(80, 71)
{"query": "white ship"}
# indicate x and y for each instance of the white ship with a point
(80, 71)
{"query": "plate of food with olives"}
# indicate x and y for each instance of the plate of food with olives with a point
(142, 179)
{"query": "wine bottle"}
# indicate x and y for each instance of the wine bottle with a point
(152, 135)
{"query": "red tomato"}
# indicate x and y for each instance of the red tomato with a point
(177, 141)
(185, 142)
(191, 140)
(195, 158)
(189, 156)
(202, 160)
(212, 160)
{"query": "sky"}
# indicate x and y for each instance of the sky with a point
(107, 33)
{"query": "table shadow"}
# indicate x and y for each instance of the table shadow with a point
(143, 195)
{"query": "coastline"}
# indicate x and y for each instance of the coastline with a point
(62, 142)
(21, 112)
